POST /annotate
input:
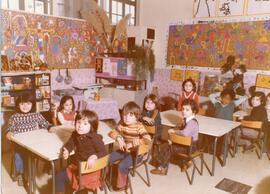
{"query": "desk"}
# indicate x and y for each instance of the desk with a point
(203, 99)
(105, 108)
(41, 143)
(242, 113)
(208, 126)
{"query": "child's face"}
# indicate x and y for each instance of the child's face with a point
(188, 87)
(226, 99)
(256, 101)
(130, 119)
(68, 105)
(187, 111)
(83, 126)
(25, 107)
(150, 105)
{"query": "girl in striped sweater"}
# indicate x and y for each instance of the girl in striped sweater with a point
(129, 134)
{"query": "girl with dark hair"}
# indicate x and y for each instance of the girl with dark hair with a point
(66, 111)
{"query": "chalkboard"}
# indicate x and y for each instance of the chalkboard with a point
(208, 45)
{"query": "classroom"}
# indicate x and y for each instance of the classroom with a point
(135, 96)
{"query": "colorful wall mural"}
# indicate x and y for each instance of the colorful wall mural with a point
(208, 45)
(59, 42)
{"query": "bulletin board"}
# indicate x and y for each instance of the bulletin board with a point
(263, 81)
(59, 42)
(208, 45)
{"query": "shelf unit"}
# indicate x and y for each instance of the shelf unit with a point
(37, 83)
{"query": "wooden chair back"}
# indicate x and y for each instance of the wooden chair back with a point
(98, 165)
(150, 129)
(182, 140)
(252, 124)
(202, 111)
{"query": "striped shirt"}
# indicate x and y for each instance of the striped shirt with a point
(24, 122)
(131, 132)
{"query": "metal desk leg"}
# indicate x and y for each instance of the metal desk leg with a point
(30, 173)
(225, 149)
(34, 175)
(236, 132)
(214, 157)
(53, 177)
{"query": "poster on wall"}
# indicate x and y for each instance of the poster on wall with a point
(58, 42)
(203, 8)
(231, 8)
(258, 7)
(210, 44)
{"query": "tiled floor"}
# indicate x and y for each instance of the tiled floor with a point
(244, 168)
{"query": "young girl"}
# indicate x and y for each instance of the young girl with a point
(188, 92)
(258, 113)
(88, 146)
(150, 114)
(66, 114)
(190, 128)
(24, 120)
(129, 134)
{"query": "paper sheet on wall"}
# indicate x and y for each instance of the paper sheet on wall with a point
(263, 81)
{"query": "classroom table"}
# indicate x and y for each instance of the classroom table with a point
(242, 113)
(203, 99)
(208, 126)
(41, 143)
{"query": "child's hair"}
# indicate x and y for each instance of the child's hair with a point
(191, 81)
(131, 107)
(63, 101)
(252, 90)
(193, 105)
(229, 92)
(153, 98)
(90, 116)
(25, 97)
(261, 95)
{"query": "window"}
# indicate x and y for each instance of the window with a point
(35, 6)
(116, 9)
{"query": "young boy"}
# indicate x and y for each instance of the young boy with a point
(225, 104)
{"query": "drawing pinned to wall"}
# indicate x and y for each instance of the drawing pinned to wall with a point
(258, 7)
(58, 42)
(231, 8)
(204, 8)
(210, 44)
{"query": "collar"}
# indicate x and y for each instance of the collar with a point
(190, 118)
(188, 94)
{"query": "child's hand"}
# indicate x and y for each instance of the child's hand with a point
(121, 143)
(171, 131)
(136, 142)
(128, 146)
(91, 160)
(149, 120)
(9, 135)
(65, 153)
(52, 130)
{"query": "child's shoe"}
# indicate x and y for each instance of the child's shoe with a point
(20, 180)
(159, 171)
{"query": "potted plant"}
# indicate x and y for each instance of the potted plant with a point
(144, 62)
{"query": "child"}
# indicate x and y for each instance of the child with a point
(151, 114)
(267, 106)
(24, 120)
(66, 114)
(88, 145)
(225, 105)
(188, 92)
(190, 128)
(258, 113)
(129, 134)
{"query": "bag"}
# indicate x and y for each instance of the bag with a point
(111, 177)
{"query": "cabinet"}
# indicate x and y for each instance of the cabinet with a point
(122, 89)
(35, 83)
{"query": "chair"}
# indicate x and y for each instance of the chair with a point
(187, 141)
(144, 152)
(260, 140)
(100, 164)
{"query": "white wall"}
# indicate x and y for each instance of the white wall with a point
(159, 14)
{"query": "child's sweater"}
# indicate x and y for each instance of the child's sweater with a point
(24, 122)
(66, 118)
(131, 132)
(258, 113)
(191, 128)
(187, 95)
(225, 111)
